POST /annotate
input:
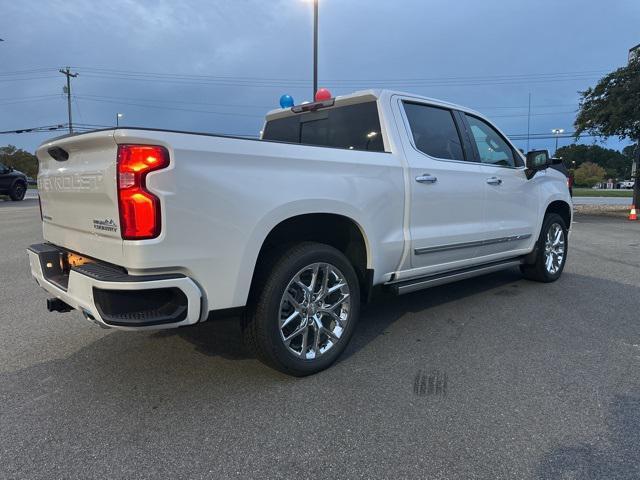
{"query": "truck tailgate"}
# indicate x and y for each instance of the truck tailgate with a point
(78, 194)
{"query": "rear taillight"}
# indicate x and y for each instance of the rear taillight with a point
(139, 208)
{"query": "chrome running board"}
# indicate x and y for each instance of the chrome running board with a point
(408, 286)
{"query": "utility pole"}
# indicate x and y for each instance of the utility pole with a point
(68, 74)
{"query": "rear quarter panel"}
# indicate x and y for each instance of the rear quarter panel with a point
(225, 195)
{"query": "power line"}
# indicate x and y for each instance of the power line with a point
(162, 107)
(28, 97)
(41, 98)
(361, 84)
(521, 76)
(533, 114)
(29, 71)
(186, 102)
(545, 136)
(6, 80)
(275, 82)
(45, 128)
(526, 106)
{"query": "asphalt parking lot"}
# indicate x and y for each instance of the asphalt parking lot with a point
(491, 378)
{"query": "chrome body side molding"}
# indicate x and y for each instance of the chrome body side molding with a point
(479, 243)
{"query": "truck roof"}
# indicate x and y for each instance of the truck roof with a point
(372, 95)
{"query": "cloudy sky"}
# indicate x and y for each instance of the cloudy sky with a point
(218, 65)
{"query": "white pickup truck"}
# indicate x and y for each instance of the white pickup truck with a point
(159, 229)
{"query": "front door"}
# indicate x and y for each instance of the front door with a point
(511, 200)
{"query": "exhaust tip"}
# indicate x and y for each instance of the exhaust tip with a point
(57, 305)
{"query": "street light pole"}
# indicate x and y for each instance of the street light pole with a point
(118, 117)
(557, 132)
(315, 49)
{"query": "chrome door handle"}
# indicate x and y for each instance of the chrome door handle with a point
(494, 181)
(426, 178)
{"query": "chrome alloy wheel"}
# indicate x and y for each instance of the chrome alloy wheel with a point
(314, 310)
(554, 248)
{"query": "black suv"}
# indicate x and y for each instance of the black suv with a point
(12, 183)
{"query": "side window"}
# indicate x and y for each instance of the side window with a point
(434, 131)
(493, 149)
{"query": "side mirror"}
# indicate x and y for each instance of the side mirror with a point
(538, 160)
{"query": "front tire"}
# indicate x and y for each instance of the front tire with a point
(18, 191)
(551, 251)
(303, 310)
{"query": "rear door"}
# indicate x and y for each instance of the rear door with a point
(446, 188)
(511, 200)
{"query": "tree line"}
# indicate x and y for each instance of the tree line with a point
(612, 109)
(592, 164)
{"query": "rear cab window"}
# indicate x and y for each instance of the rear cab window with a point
(434, 131)
(353, 127)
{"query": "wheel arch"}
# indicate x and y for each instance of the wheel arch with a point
(337, 230)
(559, 206)
(562, 208)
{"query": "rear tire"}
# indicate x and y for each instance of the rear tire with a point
(18, 191)
(551, 251)
(303, 308)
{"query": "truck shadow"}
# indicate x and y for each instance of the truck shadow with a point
(387, 308)
(223, 337)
